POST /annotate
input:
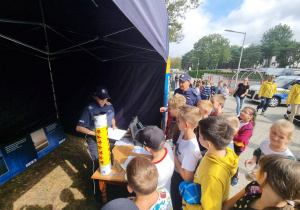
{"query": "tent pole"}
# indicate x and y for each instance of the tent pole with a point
(74, 43)
(75, 46)
(7, 46)
(48, 58)
(77, 50)
(128, 45)
(22, 43)
(19, 22)
(118, 32)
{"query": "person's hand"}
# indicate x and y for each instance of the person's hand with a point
(170, 141)
(114, 127)
(174, 149)
(163, 109)
(250, 162)
(258, 97)
(287, 104)
(242, 95)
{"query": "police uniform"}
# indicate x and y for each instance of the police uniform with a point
(87, 121)
(191, 96)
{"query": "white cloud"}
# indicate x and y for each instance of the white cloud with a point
(253, 17)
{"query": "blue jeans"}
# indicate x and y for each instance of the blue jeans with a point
(239, 104)
(264, 103)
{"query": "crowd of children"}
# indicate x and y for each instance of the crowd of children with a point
(200, 153)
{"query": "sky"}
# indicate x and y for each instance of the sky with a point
(254, 17)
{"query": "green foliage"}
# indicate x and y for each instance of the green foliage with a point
(289, 54)
(175, 63)
(275, 42)
(225, 74)
(212, 50)
(252, 56)
(202, 72)
(235, 52)
(186, 60)
(294, 51)
(177, 10)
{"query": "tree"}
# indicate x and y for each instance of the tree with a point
(295, 54)
(252, 56)
(212, 50)
(175, 63)
(186, 60)
(289, 55)
(274, 42)
(235, 52)
(177, 10)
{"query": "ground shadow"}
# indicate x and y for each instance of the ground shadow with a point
(73, 158)
(36, 207)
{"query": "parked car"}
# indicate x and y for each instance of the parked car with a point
(284, 84)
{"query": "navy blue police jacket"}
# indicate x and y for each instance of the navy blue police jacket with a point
(87, 118)
(191, 96)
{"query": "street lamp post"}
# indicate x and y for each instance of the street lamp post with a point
(238, 71)
(197, 67)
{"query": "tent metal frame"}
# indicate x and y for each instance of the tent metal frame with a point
(48, 54)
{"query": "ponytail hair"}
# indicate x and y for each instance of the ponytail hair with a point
(253, 113)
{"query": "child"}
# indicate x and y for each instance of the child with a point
(220, 87)
(212, 88)
(202, 85)
(186, 151)
(205, 107)
(142, 177)
(225, 91)
(235, 123)
(153, 139)
(280, 135)
(217, 166)
(205, 91)
(197, 88)
(277, 181)
(174, 103)
(217, 101)
(241, 138)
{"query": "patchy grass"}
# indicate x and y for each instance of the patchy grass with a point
(60, 180)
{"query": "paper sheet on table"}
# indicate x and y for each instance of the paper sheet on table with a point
(128, 160)
(124, 142)
(116, 134)
(140, 150)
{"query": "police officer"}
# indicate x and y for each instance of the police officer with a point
(191, 95)
(86, 124)
(184, 89)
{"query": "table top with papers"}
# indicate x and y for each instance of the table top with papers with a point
(121, 154)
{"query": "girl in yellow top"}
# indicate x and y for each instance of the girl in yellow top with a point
(294, 99)
(266, 93)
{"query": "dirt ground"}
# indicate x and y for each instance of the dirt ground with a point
(60, 180)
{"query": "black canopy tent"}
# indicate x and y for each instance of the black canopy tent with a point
(54, 52)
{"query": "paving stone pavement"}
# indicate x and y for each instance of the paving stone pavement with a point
(260, 133)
